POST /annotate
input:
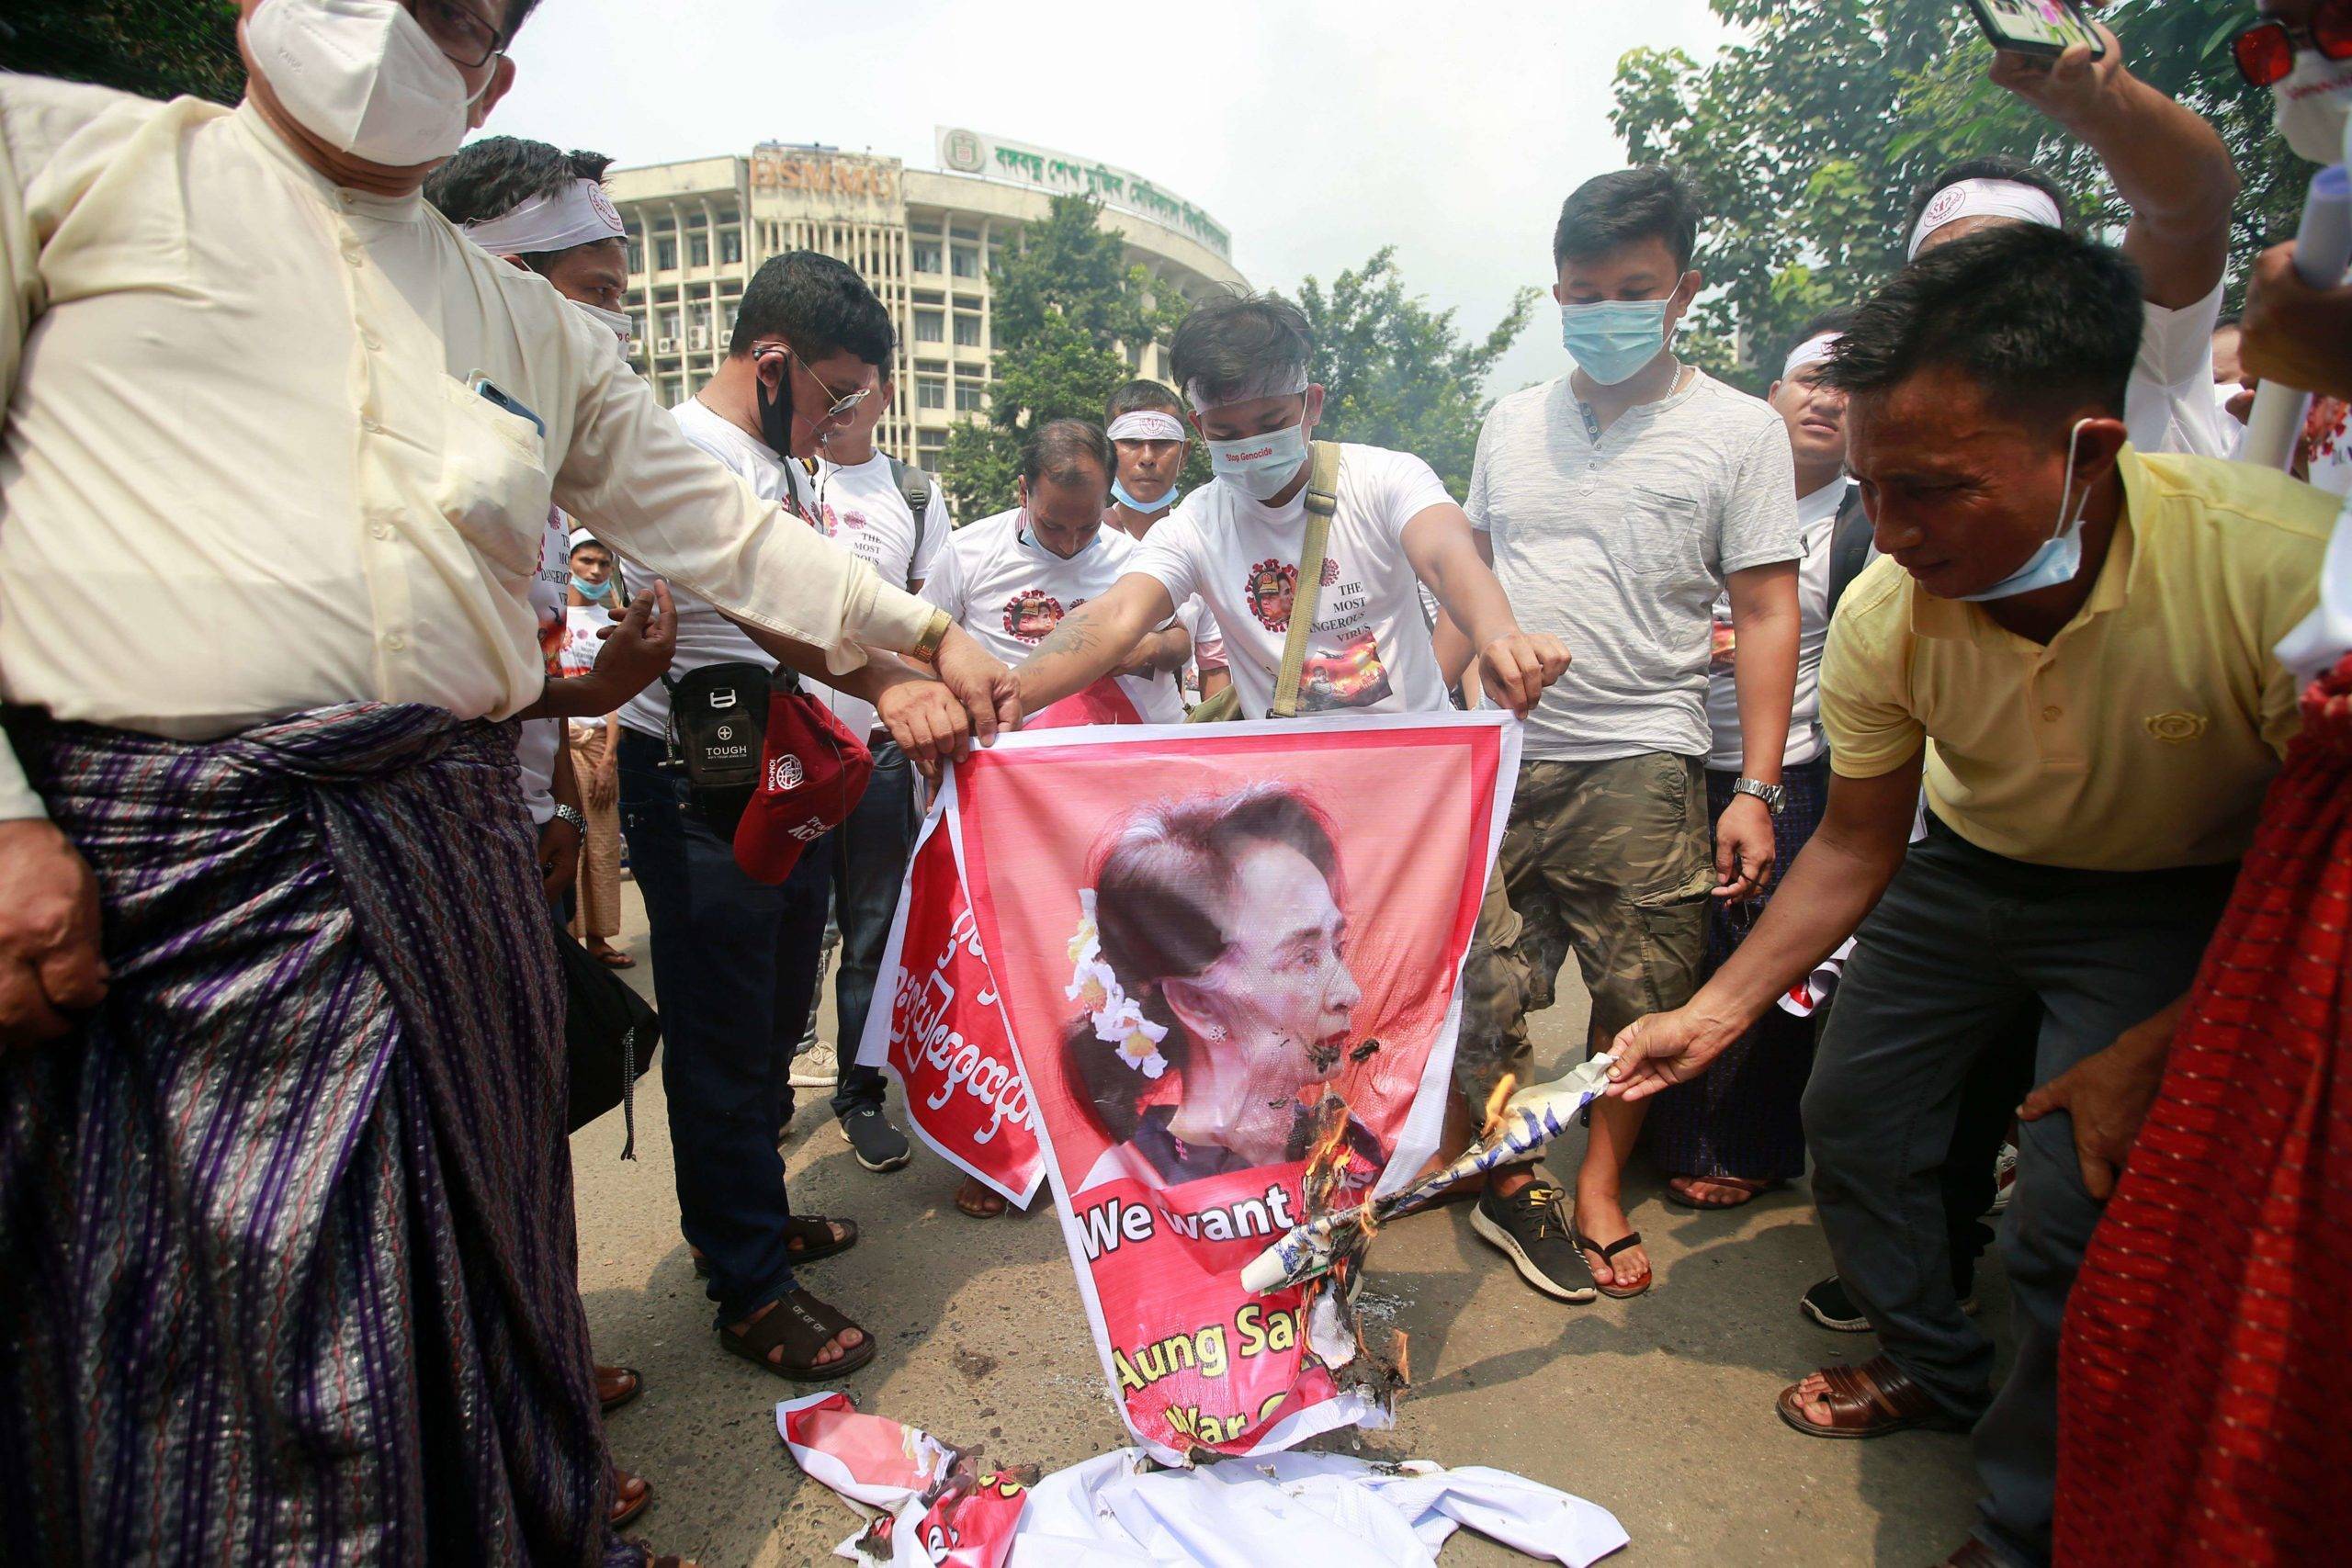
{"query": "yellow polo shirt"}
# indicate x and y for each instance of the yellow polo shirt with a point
(2143, 735)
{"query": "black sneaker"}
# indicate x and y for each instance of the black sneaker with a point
(879, 1145)
(1530, 1229)
(1828, 1305)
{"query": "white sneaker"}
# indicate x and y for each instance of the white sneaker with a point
(2004, 1179)
(816, 1067)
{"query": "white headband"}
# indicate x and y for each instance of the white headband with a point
(1145, 425)
(1986, 198)
(1812, 350)
(578, 536)
(579, 214)
(1287, 382)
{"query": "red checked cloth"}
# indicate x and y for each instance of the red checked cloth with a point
(2205, 1379)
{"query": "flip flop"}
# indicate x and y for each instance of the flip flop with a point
(1753, 1189)
(801, 1326)
(614, 958)
(978, 1200)
(625, 1510)
(1607, 1254)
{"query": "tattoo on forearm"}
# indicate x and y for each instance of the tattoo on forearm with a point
(1074, 638)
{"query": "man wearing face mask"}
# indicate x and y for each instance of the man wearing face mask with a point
(1622, 501)
(2086, 634)
(1145, 425)
(287, 1202)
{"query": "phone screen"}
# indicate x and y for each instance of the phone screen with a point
(2054, 24)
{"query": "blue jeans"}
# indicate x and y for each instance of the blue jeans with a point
(867, 858)
(733, 1000)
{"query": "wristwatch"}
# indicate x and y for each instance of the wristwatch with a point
(571, 813)
(926, 648)
(1774, 797)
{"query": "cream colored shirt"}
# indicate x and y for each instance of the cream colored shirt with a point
(244, 471)
(2143, 734)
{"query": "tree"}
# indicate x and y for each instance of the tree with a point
(1068, 306)
(1394, 372)
(1806, 138)
(158, 49)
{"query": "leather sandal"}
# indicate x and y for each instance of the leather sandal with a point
(615, 1386)
(802, 1326)
(1869, 1401)
(814, 1232)
(625, 1506)
(979, 1199)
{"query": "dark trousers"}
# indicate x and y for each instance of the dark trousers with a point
(733, 1000)
(1962, 941)
(865, 858)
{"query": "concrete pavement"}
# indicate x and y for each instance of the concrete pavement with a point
(1659, 1408)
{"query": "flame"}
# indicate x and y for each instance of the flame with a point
(1495, 1103)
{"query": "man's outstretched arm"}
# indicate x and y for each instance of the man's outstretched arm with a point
(1094, 640)
(1836, 881)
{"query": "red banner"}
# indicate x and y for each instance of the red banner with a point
(942, 1033)
(1221, 951)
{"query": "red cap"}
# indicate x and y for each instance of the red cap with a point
(813, 772)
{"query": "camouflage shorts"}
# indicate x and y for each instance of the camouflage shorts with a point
(1608, 860)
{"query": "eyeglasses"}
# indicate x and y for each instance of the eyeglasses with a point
(2266, 52)
(464, 37)
(843, 402)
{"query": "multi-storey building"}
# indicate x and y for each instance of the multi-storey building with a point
(926, 239)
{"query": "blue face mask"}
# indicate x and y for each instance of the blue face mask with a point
(599, 592)
(1119, 493)
(2060, 556)
(1261, 465)
(1610, 338)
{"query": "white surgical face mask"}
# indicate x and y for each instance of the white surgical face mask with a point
(2058, 557)
(2312, 105)
(363, 77)
(617, 322)
(1261, 465)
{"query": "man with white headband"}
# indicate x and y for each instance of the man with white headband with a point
(288, 1228)
(1237, 544)
(2172, 170)
(1146, 423)
(1736, 1132)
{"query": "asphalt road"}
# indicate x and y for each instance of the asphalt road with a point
(1660, 1409)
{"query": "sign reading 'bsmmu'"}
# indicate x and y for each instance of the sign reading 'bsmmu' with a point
(1063, 174)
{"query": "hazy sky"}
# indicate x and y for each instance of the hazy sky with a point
(1315, 130)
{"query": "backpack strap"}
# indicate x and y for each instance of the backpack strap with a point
(1850, 545)
(914, 485)
(1322, 501)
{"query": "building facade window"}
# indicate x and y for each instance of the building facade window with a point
(727, 309)
(698, 248)
(965, 260)
(926, 256)
(971, 397)
(665, 255)
(668, 319)
(929, 327)
(670, 391)
(636, 254)
(731, 246)
(968, 331)
(930, 393)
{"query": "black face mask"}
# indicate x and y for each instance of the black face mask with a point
(775, 414)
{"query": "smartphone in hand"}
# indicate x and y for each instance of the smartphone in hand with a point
(2037, 26)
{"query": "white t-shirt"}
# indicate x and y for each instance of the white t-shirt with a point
(1368, 649)
(1621, 550)
(861, 509)
(705, 636)
(2170, 404)
(1009, 590)
(534, 747)
(1817, 523)
(1208, 643)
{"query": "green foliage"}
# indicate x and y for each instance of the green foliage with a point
(1067, 304)
(1394, 372)
(158, 49)
(1806, 138)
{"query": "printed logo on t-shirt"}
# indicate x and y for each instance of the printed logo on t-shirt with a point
(1330, 572)
(853, 519)
(1270, 589)
(1030, 614)
(1352, 678)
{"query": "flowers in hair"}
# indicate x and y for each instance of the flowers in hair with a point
(1118, 1017)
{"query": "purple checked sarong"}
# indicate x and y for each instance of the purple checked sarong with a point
(286, 1269)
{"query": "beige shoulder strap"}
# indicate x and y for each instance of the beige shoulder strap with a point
(1322, 500)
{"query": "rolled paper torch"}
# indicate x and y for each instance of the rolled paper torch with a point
(1530, 1119)
(2322, 252)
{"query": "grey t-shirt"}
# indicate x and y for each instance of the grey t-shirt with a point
(1621, 549)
